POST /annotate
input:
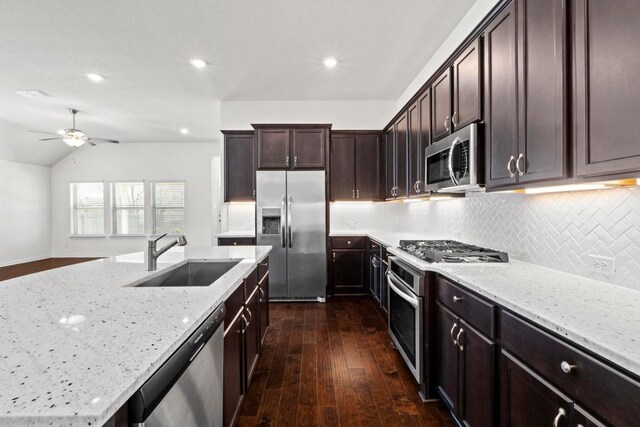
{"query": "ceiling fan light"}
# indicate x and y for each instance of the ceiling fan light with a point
(73, 141)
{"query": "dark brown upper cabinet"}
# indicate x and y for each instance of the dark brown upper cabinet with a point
(390, 163)
(397, 158)
(467, 86)
(355, 166)
(525, 99)
(441, 89)
(606, 95)
(286, 146)
(239, 166)
(273, 148)
(309, 148)
(419, 116)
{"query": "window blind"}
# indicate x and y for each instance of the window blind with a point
(168, 207)
(87, 208)
(127, 207)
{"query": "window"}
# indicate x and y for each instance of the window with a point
(127, 201)
(87, 208)
(168, 207)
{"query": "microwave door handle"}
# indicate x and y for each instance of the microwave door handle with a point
(402, 294)
(450, 162)
(289, 223)
(282, 238)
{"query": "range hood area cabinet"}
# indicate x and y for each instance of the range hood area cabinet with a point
(239, 166)
(295, 147)
(525, 99)
(355, 165)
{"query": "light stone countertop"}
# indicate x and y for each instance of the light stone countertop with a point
(237, 234)
(601, 317)
(78, 341)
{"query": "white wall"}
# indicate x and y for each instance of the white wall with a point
(190, 162)
(342, 114)
(25, 206)
(478, 11)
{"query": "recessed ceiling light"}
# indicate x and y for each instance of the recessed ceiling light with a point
(330, 62)
(198, 63)
(184, 131)
(95, 77)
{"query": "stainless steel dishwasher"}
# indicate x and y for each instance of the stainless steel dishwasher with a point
(186, 390)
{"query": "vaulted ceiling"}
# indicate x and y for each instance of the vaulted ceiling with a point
(255, 50)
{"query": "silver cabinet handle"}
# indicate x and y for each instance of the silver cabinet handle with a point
(295, 160)
(458, 339)
(446, 123)
(246, 324)
(287, 160)
(453, 118)
(261, 294)
(353, 194)
(520, 171)
(334, 256)
(512, 173)
(455, 325)
(566, 367)
(357, 194)
(561, 413)
(457, 299)
(250, 315)
(282, 228)
(289, 215)
(419, 186)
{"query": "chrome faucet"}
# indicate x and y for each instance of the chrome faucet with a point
(153, 254)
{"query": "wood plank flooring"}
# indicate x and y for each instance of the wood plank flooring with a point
(333, 365)
(17, 270)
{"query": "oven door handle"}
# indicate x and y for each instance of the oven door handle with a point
(393, 284)
(450, 160)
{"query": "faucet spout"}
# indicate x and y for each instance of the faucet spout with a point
(153, 254)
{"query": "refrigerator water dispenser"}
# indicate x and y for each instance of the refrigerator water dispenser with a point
(271, 220)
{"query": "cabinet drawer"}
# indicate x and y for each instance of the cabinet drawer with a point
(263, 268)
(373, 245)
(479, 313)
(233, 305)
(607, 393)
(357, 242)
(236, 241)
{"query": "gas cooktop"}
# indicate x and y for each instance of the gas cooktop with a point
(451, 251)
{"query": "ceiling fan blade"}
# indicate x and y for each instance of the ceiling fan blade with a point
(113, 141)
(50, 139)
(93, 144)
(39, 131)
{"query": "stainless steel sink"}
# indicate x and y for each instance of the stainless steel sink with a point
(190, 274)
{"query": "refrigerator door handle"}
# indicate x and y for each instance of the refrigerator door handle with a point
(289, 222)
(282, 238)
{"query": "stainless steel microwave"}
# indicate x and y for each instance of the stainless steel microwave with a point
(453, 163)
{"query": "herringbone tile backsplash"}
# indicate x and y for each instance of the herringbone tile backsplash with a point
(554, 230)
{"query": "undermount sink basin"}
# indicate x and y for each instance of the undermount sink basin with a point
(190, 274)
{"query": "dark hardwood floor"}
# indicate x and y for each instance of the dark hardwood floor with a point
(17, 270)
(333, 365)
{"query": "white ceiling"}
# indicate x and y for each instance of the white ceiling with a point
(256, 50)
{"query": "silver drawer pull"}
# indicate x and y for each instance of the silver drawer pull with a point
(458, 339)
(455, 325)
(457, 299)
(561, 413)
(566, 367)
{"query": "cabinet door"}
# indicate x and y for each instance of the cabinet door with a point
(447, 360)
(542, 58)
(273, 148)
(606, 92)
(239, 167)
(343, 163)
(441, 89)
(477, 358)
(308, 148)
(414, 148)
(501, 94)
(368, 153)
(347, 271)
(467, 80)
(263, 302)
(233, 370)
(252, 334)
(527, 400)
(390, 164)
(425, 133)
(402, 155)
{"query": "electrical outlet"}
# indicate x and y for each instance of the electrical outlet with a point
(601, 264)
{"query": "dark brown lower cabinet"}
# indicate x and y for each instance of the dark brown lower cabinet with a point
(263, 301)
(233, 370)
(582, 418)
(465, 370)
(529, 401)
(347, 271)
(252, 333)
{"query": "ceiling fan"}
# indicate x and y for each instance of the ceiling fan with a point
(74, 137)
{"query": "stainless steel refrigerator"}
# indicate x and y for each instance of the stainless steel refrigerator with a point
(291, 217)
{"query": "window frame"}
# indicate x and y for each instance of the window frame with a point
(112, 208)
(72, 207)
(152, 195)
